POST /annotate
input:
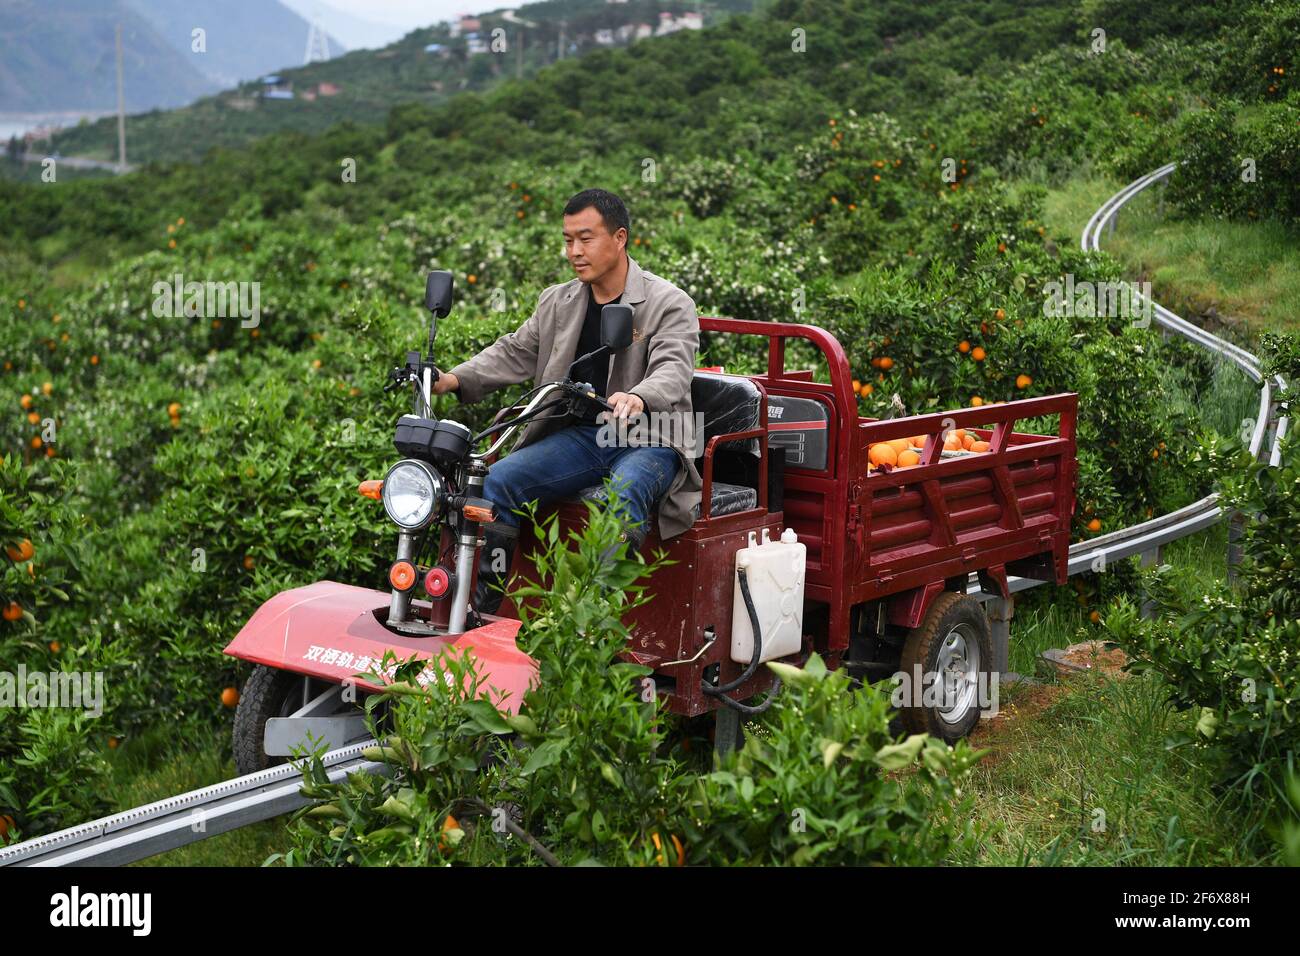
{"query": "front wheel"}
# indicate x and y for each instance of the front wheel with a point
(945, 664)
(267, 693)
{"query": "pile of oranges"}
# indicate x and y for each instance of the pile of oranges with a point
(906, 452)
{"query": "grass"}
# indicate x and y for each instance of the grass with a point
(1080, 773)
(1246, 271)
(153, 767)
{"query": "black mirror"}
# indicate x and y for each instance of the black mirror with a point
(616, 326)
(438, 293)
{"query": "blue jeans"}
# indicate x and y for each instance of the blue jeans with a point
(564, 462)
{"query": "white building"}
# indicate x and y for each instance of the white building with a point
(605, 37)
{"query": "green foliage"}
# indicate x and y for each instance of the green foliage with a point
(1234, 656)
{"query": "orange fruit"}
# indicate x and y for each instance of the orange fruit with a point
(1155, 452)
(1095, 617)
(315, 363)
(49, 451)
(25, 401)
(174, 409)
(908, 458)
(918, 441)
(959, 432)
(6, 824)
(248, 562)
(22, 551)
(952, 443)
(900, 445)
(886, 364)
(963, 346)
(112, 743)
(867, 389)
(976, 401)
(1094, 524)
(967, 441)
(1000, 315)
(856, 385)
(36, 441)
(229, 697)
(978, 353)
(33, 417)
(55, 647)
(447, 824)
(1023, 381)
(882, 453)
(171, 243)
(471, 278)
(979, 446)
(677, 845)
(94, 360)
(13, 611)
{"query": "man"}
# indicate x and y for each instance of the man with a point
(653, 375)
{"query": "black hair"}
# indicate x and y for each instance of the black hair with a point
(611, 208)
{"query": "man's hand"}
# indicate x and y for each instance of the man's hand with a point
(625, 405)
(446, 383)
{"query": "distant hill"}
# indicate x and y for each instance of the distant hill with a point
(244, 38)
(356, 32)
(428, 66)
(60, 54)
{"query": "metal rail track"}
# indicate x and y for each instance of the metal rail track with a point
(190, 817)
(186, 818)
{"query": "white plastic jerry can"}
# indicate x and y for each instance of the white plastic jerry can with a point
(774, 571)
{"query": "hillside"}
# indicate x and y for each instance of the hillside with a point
(362, 86)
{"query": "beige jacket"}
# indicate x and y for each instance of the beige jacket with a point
(657, 367)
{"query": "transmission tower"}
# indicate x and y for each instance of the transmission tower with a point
(318, 44)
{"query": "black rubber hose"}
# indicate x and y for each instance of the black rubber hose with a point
(721, 689)
(757, 708)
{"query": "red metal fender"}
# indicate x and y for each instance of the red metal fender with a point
(908, 609)
(330, 631)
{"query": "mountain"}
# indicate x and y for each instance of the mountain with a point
(356, 32)
(244, 39)
(60, 55)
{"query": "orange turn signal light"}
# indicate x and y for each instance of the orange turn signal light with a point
(402, 575)
(371, 489)
(479, 513)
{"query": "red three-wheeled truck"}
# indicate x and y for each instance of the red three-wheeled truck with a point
(799, 546)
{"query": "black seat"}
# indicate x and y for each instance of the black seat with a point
(728, 403)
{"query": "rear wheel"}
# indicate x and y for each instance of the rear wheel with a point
(951, 651)
(267, 693)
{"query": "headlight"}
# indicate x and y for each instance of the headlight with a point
(413, 494)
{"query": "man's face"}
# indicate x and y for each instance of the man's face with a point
(591, 250)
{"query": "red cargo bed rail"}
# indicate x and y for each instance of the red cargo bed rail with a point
(906, 535)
